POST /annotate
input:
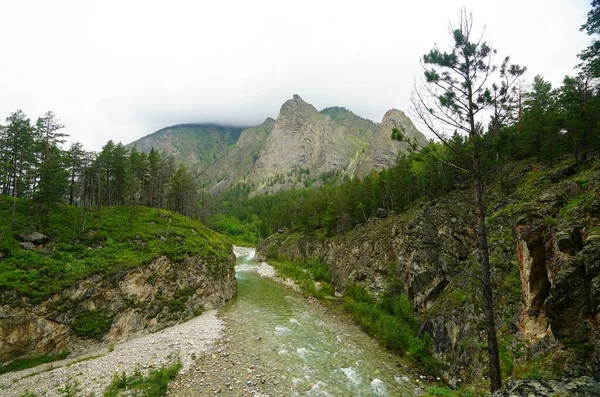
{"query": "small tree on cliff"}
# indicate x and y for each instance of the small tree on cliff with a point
(462, 89)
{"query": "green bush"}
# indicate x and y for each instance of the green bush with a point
(91, 324)
(391, 321)
(241, 233)
(153, 385)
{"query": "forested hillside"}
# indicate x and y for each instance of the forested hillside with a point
(34, 166)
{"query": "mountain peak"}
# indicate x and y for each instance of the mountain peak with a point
(295, 104)
(397, 118)
(393, 115)
(269, 121)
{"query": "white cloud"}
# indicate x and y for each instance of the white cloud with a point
(122, 69)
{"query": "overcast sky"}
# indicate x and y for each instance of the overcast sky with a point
(122, 69)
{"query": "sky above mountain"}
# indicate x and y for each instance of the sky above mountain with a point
(122, 69)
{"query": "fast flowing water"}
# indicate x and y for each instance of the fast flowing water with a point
(312, 351)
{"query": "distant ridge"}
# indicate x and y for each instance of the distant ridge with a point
(294, 151)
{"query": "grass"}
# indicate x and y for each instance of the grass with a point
(153, 385)
(446, 392)
(100, 241)
(312, 276)
(392, 322)
(24, 363)
(571, 205)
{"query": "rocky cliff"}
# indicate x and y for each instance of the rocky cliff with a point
(545, 251)
(236, 164)
(119, 272)
(147, 298)
(304, 144)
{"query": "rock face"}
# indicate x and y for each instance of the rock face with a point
(560, 280)
(236, 164)
(582, 387)
(383, 151)
(138, 300)
(304, 141)
(196, 145)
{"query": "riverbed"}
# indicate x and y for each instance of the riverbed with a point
(276, 342)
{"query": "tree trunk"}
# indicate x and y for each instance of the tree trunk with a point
(72, 187)
(482, 243)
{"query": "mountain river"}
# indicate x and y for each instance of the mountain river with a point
(276, 342)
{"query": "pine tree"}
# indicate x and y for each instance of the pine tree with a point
(539, 125)
(590, 56)
(458, 91)
(580, 108)
(75, 163)
(52, 175)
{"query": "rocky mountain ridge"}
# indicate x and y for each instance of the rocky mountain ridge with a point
(301, 145)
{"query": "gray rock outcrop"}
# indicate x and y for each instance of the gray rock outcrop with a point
(142, 299)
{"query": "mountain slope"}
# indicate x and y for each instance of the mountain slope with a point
(235, 165)
(197, 145)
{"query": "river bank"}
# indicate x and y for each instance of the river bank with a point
(92, 373)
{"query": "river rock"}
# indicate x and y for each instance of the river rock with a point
(584, 386)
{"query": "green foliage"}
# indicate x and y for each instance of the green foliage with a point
(305, 274)
(91, 324)
(153, 385)
(101, 241)
(30, 362)
(573, 204)
(392, 322)
(70, 390)
(240, 233)
(590, 56)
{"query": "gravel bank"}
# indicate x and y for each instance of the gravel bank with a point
(184, 342)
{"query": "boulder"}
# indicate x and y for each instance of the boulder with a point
(35, 238)
(26, 245)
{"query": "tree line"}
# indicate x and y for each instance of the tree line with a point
(34, 166)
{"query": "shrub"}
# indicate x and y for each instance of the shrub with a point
(91, 324)
(153, 385)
